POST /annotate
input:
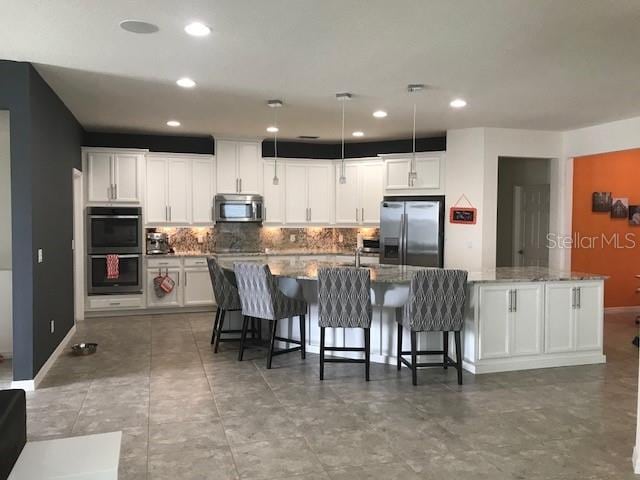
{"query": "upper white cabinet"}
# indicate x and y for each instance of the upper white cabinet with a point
(308, 192)
(273, 195)
(358, 200)
(113, 176)
(238, 166)
(429, 169)
(179, 189)
(574, 316)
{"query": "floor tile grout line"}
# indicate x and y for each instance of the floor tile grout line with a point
(213, 397)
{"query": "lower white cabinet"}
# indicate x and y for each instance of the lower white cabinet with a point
(511, 320)
(197, 287)
(192, 282)
(517, 326)
(171, 299)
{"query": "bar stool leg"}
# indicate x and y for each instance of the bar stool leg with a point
(414, 357)
(253, 328)
(274, 325)
(243, 336)
(215, 325)
(399, 358)
(445, 348)
(322, 353)
(367, 352)
(220, 325)
(303, 349)
(458, 356)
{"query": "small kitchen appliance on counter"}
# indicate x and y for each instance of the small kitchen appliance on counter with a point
(158, 243)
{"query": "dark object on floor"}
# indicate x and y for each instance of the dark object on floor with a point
(13, 428)
(84, 348)
(636, 341)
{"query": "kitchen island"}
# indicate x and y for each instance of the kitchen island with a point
(515, 318)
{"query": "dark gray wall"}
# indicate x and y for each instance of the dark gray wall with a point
(45, 146)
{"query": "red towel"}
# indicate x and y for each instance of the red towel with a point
(113, 267)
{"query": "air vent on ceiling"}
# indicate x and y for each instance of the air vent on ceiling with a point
(308, 137)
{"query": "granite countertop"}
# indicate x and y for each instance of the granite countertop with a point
(304, 269)
(273, 253)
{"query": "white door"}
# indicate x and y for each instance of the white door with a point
(99, 177)
(226, 167)
(273, 194)
(126, 177)
(371, 193)
(197, 288)
(396, 173)
(249, 167)
(202, 190)
(589, 313)
(559, 317)
(347, 198)
(172, 299)
(156, 211)
(427, 172)
(527, 320)
(494, 333)
(296, 194)
(319, 185)
(531, 225)
(178, 190)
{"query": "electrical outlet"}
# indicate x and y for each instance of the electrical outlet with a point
(52, 325)
(40, 255)
(340, 238)
(292, 238)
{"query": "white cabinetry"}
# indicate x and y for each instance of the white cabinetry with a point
(171, 299)
(273, 195)
(573, 316)
(192, 282)
(309, 193)
(429, 170)
(113, 176)
(202, 190)
(511, 320)
(358, 200)
(238, 166)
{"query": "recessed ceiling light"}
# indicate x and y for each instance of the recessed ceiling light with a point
(186, 82)
(173, 123)
(138, 26)
(197, 29)
(358, 134)
(379, 114)
(458, 103)
(273, 129)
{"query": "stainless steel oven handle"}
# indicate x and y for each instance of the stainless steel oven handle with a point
(114, 216)
(119, 256)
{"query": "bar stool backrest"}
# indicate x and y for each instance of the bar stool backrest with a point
(436, 300)
(258, 290)
(225, 292)
(344, 297)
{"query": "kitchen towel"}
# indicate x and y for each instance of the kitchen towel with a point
(113, 267)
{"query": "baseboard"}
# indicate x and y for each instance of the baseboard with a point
(31, 385)
(534, 362)
(635, 460)
(628, 309)
(89, 314)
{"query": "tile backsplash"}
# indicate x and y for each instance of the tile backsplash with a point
(254, 238)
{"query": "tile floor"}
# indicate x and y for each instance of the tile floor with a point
(187, 413)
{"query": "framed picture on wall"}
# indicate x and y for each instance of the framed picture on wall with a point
(601, 202)
(634, 214)
(620, 208)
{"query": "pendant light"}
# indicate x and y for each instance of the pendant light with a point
(343, 98)
(413, 174)
(275, 104)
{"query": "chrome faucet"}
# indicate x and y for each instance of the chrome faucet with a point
(357, 255)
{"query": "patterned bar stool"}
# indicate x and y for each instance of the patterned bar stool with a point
(344, 301)
(435, 304)
(261, 298)
(228, 300)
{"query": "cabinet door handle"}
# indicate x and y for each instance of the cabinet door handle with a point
(515, 300)
(356, 214)
(169, 212)
(362, 216)
(510, 301)
(177, 277)
(185, 279)
(240, 185)
(573, 297)
(409, 184)
(115, 191)
(309, 213)
(579, 301)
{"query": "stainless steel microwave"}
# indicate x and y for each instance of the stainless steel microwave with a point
(231, 207)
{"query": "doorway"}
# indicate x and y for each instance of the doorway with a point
(523, 212)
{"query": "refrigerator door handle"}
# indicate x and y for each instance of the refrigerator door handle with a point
(403, 238)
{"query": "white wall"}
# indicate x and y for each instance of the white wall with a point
(6, 330)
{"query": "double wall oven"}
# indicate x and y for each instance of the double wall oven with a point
(114, 231)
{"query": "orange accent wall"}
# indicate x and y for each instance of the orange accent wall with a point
(618, 173)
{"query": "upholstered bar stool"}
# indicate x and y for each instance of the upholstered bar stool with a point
(261, 298)
(228, 300)
(435, 304)
(344, 301)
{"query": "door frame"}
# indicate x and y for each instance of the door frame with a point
(78, 245)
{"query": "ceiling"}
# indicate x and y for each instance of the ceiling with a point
(535, 64)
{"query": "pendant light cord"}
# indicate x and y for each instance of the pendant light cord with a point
(413, 166)
(343, 168)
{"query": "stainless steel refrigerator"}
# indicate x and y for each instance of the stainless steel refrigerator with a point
(412, 231)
